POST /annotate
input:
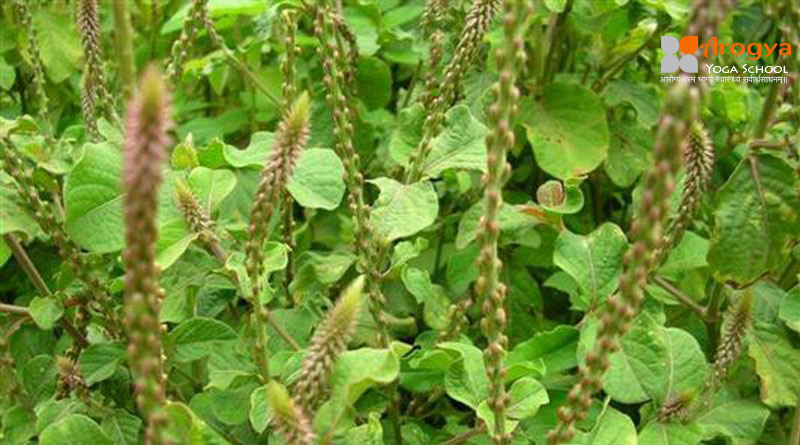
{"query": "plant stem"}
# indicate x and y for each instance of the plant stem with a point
(124, 40)
(766, 111)
(795, 440)
(463, 437)
(16, 310)
(683, 298)
(27, 265)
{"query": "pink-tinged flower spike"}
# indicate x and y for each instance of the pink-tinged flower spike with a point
(329, 340)
(96, 97)
(510, 62)
(646, 234)
(146, 140)
(290, 141)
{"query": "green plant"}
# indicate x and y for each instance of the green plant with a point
(399, 221)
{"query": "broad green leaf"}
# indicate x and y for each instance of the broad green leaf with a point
(216, 8)
(358, 370)
(74, 427)
(567, 129)
(45, 311)
(185, 427)
(487, 415)
(777, 364)
(39, 377)
(370, 433)
(556, 348)
(59, 44)
(511, 220)
(642, 97)
(638, 365)
(365, 26)
(99, 361)
(629, 153)
(790, 309)
(231, 406)
(739, 420)
(418, 282)
(7, 75)
(562, 198)
(5, 252)
(527, 395)
(13, 217)
(275, 258)
(594, 261)
(211, 186)
(255, 155)
(465, 380)
(19, 425)
(611, 428)
(51, 411)
(657, 433)
(757, 216)
(403, 210)
(460, 145)
(93, 198)
(317, 179)
(260, 410)
(197, 337)
(122, 427)
(374, 82)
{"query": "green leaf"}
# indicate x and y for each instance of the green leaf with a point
(403, 210)
(45, 311)
(777, 364)
(122, 427)
(657, 433)
(370, 433)
(365, 27)
(460, 145)
(71, 428)
(93, 199)
(510, 218)
(13, 217)
(7, 75)
(99, 361)
(260, 409)
(562, 198)
(185, 427)
(487, 415)
(527, 395)
(642, 97)
(790, 309)
(556, 348)
(594, 261)
(611, 428)
(629, 154)
(317, 179)
(567, 129)
(757, 216)
(197, 337)
(358, 370)
(255, 155)
(211, 186)
(374, 82)
(59, 44)
(465, 380)
(739, 420)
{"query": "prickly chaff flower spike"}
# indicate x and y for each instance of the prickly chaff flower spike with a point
(34, 57)
(290, 57)
(145, 149)
(42, 212)
(510, 61)
(95, 91)
(337, 66)
(192, 24)
(433, 16)
(677, 407)
(646, 233)
(475, 27)
(698, 157)
(457, 314)
(199, 220)
(288, 418)
(730, 345)
(290, 140)
(329, 340)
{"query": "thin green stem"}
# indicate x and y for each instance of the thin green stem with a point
(795, 440)
(124, 41)
(680, 296)
(27, 265)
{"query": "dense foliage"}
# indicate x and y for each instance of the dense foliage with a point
(396, 221)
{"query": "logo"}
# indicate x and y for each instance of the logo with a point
(688, 46)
